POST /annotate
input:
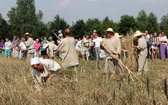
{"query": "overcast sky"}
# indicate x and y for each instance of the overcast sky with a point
(73, 10)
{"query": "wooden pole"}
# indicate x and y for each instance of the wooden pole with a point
(129, 71)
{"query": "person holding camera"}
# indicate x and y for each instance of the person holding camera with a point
(154, 46)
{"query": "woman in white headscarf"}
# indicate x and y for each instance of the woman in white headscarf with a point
(44, 69)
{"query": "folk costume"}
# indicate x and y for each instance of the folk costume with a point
(113, 44)
(142, 53)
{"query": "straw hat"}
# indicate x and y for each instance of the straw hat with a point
(116, 34)
(27, 34)
(110, 30)
(137, 33)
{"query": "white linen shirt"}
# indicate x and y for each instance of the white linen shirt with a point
(97, 41)
(49, 65)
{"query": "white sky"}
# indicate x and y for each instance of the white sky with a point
(73, 10)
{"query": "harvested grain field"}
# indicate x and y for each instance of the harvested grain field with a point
(17, 86)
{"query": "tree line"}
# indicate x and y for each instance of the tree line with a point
(24, 18)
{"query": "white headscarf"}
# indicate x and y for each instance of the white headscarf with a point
(35, 60)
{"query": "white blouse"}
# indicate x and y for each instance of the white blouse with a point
(163, 38)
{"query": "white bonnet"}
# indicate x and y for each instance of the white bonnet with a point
(35, 60)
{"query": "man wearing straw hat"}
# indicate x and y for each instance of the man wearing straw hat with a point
(113, 44)
(30, 46)
(142, 53)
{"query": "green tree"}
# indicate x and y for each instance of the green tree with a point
(164, 24)
(164, 20)
(23, 18)
(41, 27)
(78, 29)
(58, 24)
(152, 25)
(94, 24)
(126, 24)
(142, 20)
(106, 23)
(4, 27)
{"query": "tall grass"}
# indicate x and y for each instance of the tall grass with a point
(17, 87)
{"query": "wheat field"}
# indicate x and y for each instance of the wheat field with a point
(17, 86)
(92, 88)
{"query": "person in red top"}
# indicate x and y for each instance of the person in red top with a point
(37, 47)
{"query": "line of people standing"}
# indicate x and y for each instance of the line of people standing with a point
(156, 44)
(23, 48)
(90, 48)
